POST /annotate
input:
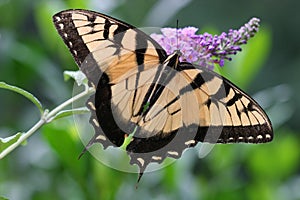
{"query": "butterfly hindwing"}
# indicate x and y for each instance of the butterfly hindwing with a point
(223, 113)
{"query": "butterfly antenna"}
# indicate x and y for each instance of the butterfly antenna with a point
(177, 34)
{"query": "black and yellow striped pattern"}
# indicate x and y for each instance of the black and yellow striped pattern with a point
(171, 105)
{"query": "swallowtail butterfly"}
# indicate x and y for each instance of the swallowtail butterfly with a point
(168, 104)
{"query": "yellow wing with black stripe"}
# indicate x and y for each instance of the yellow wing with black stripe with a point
(170, 105)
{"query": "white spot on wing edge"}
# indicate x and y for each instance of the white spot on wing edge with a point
(173, 153)
(141, 161)
(57, 18)
(70, 44)
(96, 123)
(61, 26)
(101, 137)
(268, 136)
(156, 158)
(250, 138)
(75, 52)
(259, 137)
(92, 106)
(190, 142)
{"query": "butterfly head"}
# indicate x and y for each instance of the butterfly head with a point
(178, 53)
(173, 59)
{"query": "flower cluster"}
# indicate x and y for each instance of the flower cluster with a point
(206, 49)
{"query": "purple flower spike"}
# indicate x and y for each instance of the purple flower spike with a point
(205, 49)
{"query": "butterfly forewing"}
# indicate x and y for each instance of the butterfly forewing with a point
(107, 51)
(227, 114)
(88, 33)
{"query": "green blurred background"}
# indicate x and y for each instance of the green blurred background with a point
(32, 56)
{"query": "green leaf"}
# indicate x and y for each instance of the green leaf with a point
(66, 113)
(26, 94)
(6, 142)
(3, 198)
(78, 76)
(63, 138)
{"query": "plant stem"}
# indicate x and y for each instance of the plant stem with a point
(47, 117)
(22, 138)
(52, 113)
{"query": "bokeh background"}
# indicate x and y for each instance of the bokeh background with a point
(32, 56)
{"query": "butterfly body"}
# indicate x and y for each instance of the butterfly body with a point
(168, 104)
